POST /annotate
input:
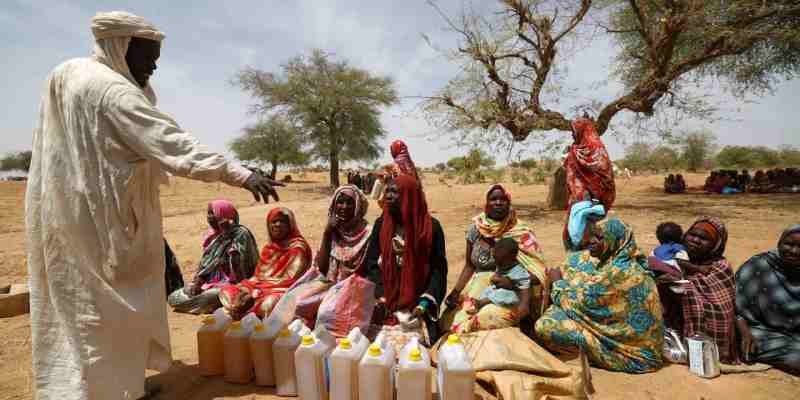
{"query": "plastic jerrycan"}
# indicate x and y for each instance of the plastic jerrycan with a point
(283, 357)
(343, 364)
(455, 375)
(210, 346)
(310, 362)
(238, 363)
(261, 344)
(414, 380)
(376, 371)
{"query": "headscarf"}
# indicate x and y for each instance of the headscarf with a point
(589, 167)
(718, 232)
(113, 32)
(402, 158)
(350, 238)
(402, 287)
(530, 253)
(579, 216)
(224, 211)
(789, 231)
(276, 255)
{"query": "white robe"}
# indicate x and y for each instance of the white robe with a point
(94, 232)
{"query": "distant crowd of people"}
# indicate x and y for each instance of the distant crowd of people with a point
(777, 180)
(363, 182)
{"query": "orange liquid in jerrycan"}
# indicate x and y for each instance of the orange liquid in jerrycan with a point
(238, 362)
(210, 351)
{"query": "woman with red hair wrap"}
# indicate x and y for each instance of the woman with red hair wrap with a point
(590, 174)
(284, 259)
(406, 258)
(402, 165)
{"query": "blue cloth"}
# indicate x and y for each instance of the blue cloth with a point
(520, 278)
(578, 216)
(667, 251)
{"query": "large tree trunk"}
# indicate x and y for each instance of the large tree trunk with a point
(274, 170)
(557, 195)
(334, 168)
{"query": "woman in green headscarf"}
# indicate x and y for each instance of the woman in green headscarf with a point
(605, 303)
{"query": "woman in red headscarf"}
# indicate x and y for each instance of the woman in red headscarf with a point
(402, 165)
(284, 259)
(590, 174)
(406, 257)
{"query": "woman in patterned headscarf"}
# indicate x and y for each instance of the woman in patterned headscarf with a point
(606, 304)
(498, 220)
(284, 259)
(341, 253)
(768, 304)
(230, 255)
(707, 304)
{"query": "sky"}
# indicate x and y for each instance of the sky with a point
(209, 41)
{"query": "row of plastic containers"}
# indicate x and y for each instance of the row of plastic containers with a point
(311, 365)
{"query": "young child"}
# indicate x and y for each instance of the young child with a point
(505, 258)
(670, 236)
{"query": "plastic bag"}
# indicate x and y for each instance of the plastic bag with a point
(347, 305)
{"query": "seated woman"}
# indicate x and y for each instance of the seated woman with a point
(768, 305)
(706, 302)
(669, 183)
(230, 254)
(605, 303)
(680, 184)
(284, 259)
(498, 220)
(406, 258)
(342, 251)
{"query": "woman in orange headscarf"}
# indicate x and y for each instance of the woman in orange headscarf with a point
(284, 259)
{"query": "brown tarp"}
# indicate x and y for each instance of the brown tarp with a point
(511, 366)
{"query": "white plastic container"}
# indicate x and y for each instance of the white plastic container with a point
(343, 364)
(310, 361)
(238, 362)
(376, 371)
(283, 350)
(261, 344)
(210, 346)
(455, 375)
(414, 380)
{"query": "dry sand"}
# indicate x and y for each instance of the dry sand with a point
(754, 222)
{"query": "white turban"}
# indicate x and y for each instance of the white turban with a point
(122, 24)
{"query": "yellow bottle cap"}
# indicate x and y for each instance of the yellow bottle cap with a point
(308, 340)
(236, 325)
(209, 320)
(415, 355)
(285, 333)
(453, 339)
(345, 344)
(375, 350)
(259, 328)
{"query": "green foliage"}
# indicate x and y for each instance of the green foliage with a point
(471, 166)
(756, 156)
(696, 148)
(664, 158)
(637, 156)
(440, 167)
(336, 105)
(273, 141)
(20, 161)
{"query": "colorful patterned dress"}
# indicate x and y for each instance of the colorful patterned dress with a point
(607, 307)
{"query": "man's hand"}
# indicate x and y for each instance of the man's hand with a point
(262, 187)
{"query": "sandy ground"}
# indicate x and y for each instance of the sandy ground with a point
(754, 222)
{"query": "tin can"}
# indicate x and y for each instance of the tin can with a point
(703, 356)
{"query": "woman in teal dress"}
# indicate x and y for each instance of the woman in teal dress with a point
(605, 303)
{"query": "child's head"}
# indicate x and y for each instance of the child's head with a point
(505, 253)
(669, 232)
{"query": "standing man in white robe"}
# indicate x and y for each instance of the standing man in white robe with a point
(93, 216)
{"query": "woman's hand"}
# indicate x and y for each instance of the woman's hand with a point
(453, 299)
(748, 342)
(554, 275)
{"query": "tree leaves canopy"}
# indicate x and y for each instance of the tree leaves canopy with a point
(271, 141)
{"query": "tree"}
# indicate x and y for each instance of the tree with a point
(470, 165)
(637, 156)
(512, 60)
(790, 156)
(273, 141)
(696, 148)
(336, 105)
(737, 157)
(664, 158)
(20, 161)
